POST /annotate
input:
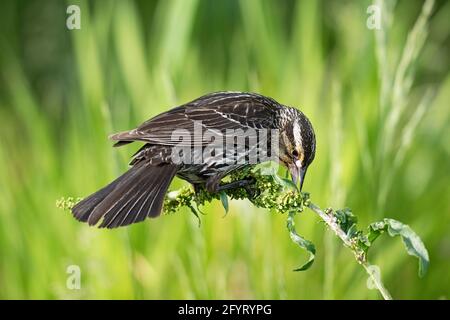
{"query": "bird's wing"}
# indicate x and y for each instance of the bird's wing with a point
(218, 112)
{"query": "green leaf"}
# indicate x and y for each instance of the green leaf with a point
(375, 230)
(302, 242)
(197, 208)
(413, 243)
(288, 183)
(195, 214)
(284, 182)
(346, 220)
(352, 231)
(224, 199)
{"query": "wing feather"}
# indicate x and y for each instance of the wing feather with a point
(217, 111)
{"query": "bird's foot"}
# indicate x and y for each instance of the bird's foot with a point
(247, 184)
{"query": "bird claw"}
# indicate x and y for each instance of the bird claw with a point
(252, 191)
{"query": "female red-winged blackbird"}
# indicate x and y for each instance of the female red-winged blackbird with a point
(249, 119)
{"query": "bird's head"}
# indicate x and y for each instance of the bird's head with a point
(297, 145)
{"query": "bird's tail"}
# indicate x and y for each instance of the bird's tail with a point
(137, 194)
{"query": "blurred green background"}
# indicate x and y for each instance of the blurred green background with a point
(378, 99)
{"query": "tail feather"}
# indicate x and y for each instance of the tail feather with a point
(144, 206)
(125, 191)
(129, 211)
(82, 210)
(137, 194)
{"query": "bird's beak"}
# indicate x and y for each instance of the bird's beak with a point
(297, 173)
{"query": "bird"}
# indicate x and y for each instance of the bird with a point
(186, 141)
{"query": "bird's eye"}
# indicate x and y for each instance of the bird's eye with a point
(295, 153)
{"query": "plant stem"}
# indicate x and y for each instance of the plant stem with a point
(273, 192)
(377, 281)
(330, 220)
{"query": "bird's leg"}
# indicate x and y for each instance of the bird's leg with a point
(197, 188)
(213, 185)
(235, 184)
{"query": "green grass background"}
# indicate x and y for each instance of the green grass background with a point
(382, 129)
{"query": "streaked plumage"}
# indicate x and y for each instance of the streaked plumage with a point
(139, 192)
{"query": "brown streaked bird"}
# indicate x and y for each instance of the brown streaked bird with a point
(139, 193)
